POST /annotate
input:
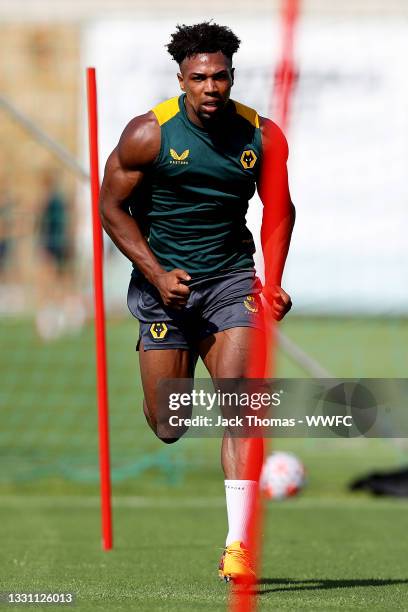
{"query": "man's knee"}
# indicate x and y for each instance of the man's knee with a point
(168, 434)
(167, 440)
(162, 429)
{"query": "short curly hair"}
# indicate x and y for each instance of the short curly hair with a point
(205, 37)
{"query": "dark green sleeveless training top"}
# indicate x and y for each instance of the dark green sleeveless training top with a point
(200, 185)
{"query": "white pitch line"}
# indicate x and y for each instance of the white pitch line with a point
(93, 502)
(73, 501)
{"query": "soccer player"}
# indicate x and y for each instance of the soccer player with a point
(174, 198)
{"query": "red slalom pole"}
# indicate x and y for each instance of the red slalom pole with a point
(274, 187)
(286, 72)
(101, 369)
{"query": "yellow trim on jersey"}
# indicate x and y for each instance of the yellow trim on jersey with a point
(166, 110)
(248, 113)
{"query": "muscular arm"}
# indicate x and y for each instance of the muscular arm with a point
(125, 169)
(278, 214)
(124, 172)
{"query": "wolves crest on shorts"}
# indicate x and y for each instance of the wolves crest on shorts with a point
(158, 330)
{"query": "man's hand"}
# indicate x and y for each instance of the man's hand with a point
(278, 300)
(172, 289)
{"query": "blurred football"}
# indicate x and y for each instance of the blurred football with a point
(282, 476)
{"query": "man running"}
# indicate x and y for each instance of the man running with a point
(185, 172)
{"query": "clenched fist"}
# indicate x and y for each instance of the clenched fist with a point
(172, 289)
(278, 300)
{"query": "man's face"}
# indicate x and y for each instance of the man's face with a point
(207, 79)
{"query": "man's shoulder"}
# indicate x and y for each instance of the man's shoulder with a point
(164, 111)
(140, 141)
(272, 137)
(247, 113)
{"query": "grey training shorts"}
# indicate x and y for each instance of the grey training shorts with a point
(228, 299)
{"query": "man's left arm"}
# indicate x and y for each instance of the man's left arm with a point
(278, 215)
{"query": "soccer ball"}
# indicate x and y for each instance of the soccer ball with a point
(282, 476)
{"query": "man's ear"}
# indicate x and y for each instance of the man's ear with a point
(181, 81)
(232, 76)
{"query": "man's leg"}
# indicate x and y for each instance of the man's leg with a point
(229, 354)
(155, 365)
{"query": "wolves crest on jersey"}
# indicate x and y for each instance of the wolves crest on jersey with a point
(248, 159)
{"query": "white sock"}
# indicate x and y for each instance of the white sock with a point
(240, 496)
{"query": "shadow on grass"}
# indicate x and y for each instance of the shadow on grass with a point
(320, 584)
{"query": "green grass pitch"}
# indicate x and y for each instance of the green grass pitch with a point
(326, 550)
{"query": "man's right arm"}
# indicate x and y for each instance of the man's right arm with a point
(124, 172)
(138, 147)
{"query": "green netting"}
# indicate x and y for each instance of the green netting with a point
(48, 399)
(49, 414)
